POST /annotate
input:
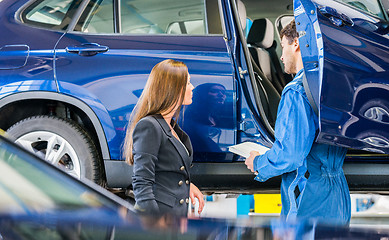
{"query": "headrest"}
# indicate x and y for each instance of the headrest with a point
(261, 33)
(242, 13)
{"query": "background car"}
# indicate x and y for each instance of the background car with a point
(72, 71)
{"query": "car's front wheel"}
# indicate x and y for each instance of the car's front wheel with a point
(60, 142)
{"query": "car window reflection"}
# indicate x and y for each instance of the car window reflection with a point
(31, 186)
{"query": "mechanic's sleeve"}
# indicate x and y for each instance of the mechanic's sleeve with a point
(147, 137)
(294, 135)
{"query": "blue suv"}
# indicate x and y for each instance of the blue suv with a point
(71, 72)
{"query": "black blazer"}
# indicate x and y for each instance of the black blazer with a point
(161, 177)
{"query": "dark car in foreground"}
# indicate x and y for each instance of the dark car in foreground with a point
(30, 185)
(72, 71)
(40, 201)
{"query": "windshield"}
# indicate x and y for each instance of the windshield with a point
(368, 6)
(30, 185)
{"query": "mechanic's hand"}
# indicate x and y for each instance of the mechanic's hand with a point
(194, 192)
(250, 160)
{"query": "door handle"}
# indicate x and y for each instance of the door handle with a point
(336, 18)
(87, 49)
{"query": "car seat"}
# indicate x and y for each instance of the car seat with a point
(263, 50)
(242, 14)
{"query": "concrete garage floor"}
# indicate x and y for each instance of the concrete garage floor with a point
(368, 210)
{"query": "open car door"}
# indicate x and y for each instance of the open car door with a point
(345, 50)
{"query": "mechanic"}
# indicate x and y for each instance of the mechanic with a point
(313, 183)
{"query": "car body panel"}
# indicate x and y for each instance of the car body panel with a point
(57, 226)
(38, 52)
(125, 69)
(347, 73)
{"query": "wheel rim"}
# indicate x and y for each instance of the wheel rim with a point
(376, 141)
(54, 149)
(377, 114)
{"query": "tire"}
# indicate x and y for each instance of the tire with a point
(70, 147)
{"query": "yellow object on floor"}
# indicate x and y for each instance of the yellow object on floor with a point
(267, 203)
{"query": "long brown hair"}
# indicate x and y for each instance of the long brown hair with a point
(165, 89)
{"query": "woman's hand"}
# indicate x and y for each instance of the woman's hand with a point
(250, 160)
(194, 192)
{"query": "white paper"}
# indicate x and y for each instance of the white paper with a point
(244, 149)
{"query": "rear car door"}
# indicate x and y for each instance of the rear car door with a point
(345, 49)
(27, 41)
(111, 48)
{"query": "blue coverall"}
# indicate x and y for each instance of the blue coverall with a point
(324, 194)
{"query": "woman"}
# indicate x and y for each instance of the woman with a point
(157, 147)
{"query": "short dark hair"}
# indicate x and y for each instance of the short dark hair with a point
(290, 32)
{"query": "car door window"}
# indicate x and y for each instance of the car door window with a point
(52, 14)
(149, 17)
(369, 6)
(98, 17)
(186, 27)
(385, 5)
(163, 16)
